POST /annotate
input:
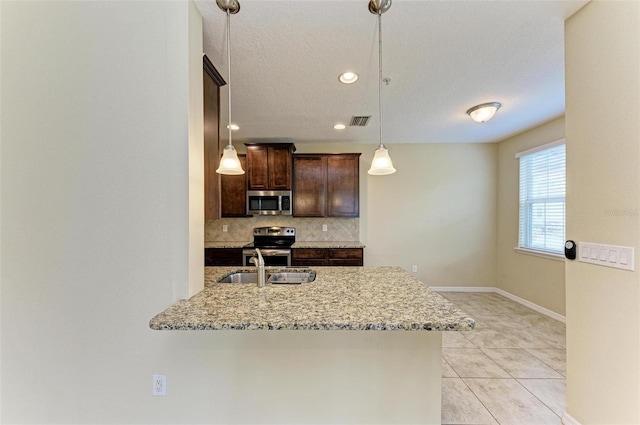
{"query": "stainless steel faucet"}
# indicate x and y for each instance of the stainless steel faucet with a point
(259, 262)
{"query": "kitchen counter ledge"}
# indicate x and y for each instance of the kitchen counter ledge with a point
(341, 298)
(297, 244)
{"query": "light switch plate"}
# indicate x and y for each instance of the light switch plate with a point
(619, 257)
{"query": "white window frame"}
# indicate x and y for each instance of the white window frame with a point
(526, 246)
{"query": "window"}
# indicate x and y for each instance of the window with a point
(542, 198)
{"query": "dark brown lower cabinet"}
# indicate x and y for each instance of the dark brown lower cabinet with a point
(345, 257)
(327, 257)
(309, 257)
(222, 257)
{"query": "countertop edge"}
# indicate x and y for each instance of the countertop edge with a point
(313, 327)
(297, 244)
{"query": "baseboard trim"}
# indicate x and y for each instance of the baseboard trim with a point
(463, 288)
(567, 419)
(504, 293)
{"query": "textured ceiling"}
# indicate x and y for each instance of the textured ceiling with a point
(442, 58)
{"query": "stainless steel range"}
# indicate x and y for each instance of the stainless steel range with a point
(274, 243)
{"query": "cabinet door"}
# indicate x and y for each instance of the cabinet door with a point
(233, 190)
(343, 185)
(257, 167)
(309, 257)
(309, 185)
(279, 167)
(222, 257)
(211, 80)
(345, 257)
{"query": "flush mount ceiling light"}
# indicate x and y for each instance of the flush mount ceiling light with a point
(233, 127)
(381, 164)
(339, 126)
(229, 164)
(348, 77)
(484, 112)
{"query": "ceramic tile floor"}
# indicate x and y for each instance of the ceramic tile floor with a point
(510, 370)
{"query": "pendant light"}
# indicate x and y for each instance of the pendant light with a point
(229, 164)
(381, 164)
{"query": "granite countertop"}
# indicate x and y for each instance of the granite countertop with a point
(226, 244)
(340, 298)
(328, 244)
(297, 244)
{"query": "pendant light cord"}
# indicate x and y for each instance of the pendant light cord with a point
(229, 69)
(380, 73)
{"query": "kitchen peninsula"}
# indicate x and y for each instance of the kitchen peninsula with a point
(353, 346)
(340, 298)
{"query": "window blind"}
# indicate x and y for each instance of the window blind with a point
(542, 200)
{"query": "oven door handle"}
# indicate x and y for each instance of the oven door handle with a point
(272, 252)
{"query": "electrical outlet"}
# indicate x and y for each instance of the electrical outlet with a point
(225, 228)
(324, 228)
(414, 269)
(159, 385)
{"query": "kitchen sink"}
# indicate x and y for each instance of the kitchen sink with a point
(272, 277)
(293, 277)
(240, 277)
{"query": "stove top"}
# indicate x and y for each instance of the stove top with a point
(274, 232)
(273, 237)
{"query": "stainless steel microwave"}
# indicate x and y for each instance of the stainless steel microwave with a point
(269, 202)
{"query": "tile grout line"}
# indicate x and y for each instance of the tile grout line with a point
(478, 398)
(522, 318)
(545, 404)
(545, 363)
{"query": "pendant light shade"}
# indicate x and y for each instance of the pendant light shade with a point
(229, 164)
(381, 164)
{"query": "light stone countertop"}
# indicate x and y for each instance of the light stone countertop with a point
(226, 244)
(340, 298)
(297, 244)
(328, 244)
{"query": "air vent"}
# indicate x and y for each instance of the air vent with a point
(359, 121)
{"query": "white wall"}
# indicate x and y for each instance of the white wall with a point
(538, 280)
(95, 225)
(603, 172)
(196, 149)
(438, 211)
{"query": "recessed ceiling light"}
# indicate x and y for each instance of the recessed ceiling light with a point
(234, 127)
(339, 126)
(348, 77)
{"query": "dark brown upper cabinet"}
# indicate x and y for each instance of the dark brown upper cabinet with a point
(343, 185)
(326, 185)
(309, 185)
(269, 166)
(233, 190)
(212, 81)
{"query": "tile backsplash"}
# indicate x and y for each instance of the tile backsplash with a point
(307, 229)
